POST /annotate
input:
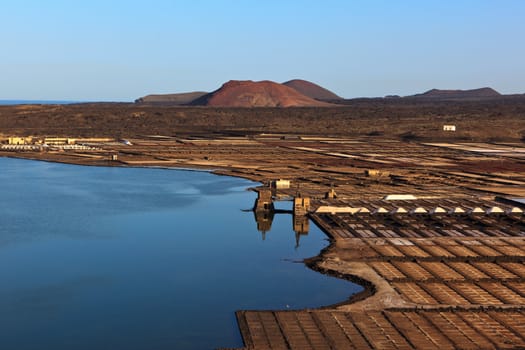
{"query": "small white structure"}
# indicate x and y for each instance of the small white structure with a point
(449, 128)
(375, 172)
(477, 210)
(457, 210)
(438, 210)
(334, 210)
(364, 210)
(515, 210)
(380, 210)
(399, 210)
(495, 210)
(281, 184)
(400, 241)
(419, 210)
(354, 210)
(400, 197)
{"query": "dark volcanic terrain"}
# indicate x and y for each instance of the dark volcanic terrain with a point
(485, 92)
(172, 99)
(408, 119)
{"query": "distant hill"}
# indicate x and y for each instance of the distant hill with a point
(311, 90)
(459, 94)
(247, 93)
(175, 99)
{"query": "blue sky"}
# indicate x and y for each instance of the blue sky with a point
(120, 50)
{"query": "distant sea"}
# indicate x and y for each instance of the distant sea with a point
(38, 102)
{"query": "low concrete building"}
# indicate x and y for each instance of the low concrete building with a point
(19, 140)
(449, 128)
(376, 173)
(400, 197)
(59, 141)
(281, 184)
(93, 139)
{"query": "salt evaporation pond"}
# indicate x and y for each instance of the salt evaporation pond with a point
(119, 258)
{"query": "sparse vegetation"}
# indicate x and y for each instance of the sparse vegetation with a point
(409, 136)
(388, 118)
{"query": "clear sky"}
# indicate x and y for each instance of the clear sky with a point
(121, 50)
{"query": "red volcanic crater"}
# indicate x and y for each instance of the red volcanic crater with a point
(247, 93)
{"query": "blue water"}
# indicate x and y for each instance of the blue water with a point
(37, 102)
(116, 258)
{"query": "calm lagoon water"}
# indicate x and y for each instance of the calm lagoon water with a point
(114, 258)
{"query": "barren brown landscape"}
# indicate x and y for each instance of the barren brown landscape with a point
(429, 220)
(403, 118)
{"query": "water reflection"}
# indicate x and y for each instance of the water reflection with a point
(301, 226)
(98, 258)
(264, 220)
(264, 212)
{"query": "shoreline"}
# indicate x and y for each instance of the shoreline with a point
(445, 248)
(312, 262)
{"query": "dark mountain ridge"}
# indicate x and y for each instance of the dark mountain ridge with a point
(484, 92)
(174, 99)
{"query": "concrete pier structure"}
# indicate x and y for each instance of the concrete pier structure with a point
(264, 200)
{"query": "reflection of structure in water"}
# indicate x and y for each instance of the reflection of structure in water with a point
(264, 219)
(264, 212)
(301, 226)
